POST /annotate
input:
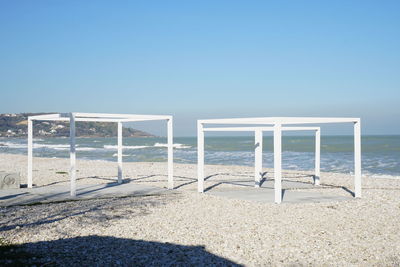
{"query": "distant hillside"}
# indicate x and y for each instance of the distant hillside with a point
(15, 125)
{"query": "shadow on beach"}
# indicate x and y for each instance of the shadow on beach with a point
(108, 251)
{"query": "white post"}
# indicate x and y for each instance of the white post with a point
(119, 152)
(30, 148)
(317, 157)
(357, 159)
(258, 140)
(278, 162)
(72, 170)
(170, 154)
(200, 158)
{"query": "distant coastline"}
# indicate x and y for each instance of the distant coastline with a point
(15, 126)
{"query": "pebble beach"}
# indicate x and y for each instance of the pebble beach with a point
(187, 228)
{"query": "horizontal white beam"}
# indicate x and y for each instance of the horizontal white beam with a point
(95, 119)
(45, 116)
(122, 116)
(81, 119)
(146, 119)
(237, 129)
(48, 119)
(279, 120)
(252, 129)
(294, 128)
(100, 117)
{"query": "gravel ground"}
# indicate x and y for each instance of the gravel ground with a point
(188, 228)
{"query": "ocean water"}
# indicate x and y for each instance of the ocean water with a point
(380, 154)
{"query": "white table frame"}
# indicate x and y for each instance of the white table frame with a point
(98, 117)
(277, 127)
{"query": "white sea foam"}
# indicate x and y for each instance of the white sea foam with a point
(385, 164)
(87, 148)
(113, 147)
(54, 146)
(64, 147)
(59, 147)
(13, 145)
(383, 176)
(179, 146)
(124, 155)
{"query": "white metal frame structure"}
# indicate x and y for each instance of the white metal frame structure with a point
(277, 126)
(258, 147)
(98, 117)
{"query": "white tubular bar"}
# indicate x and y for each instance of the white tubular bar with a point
(51, 119)
(98, 119)
(278, 163)
(121, 116)
(72, 170)
(357, 159)
(256, 128)
(258, 143)
(279, 120)
(317, 157)
(200, 158)
(101, 119)
(45, 117)
(143, 119)
(30, 148)
(170, 153)
(119, 152)
(236, 129)
(82, 119)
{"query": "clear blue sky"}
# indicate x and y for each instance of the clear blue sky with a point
(204, 59)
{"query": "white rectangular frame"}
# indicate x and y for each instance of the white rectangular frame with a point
(98, 117)
(258, 147)
(277, 125)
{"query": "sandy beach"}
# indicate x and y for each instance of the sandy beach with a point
(191, 228)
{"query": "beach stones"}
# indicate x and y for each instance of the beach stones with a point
(9, 180)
